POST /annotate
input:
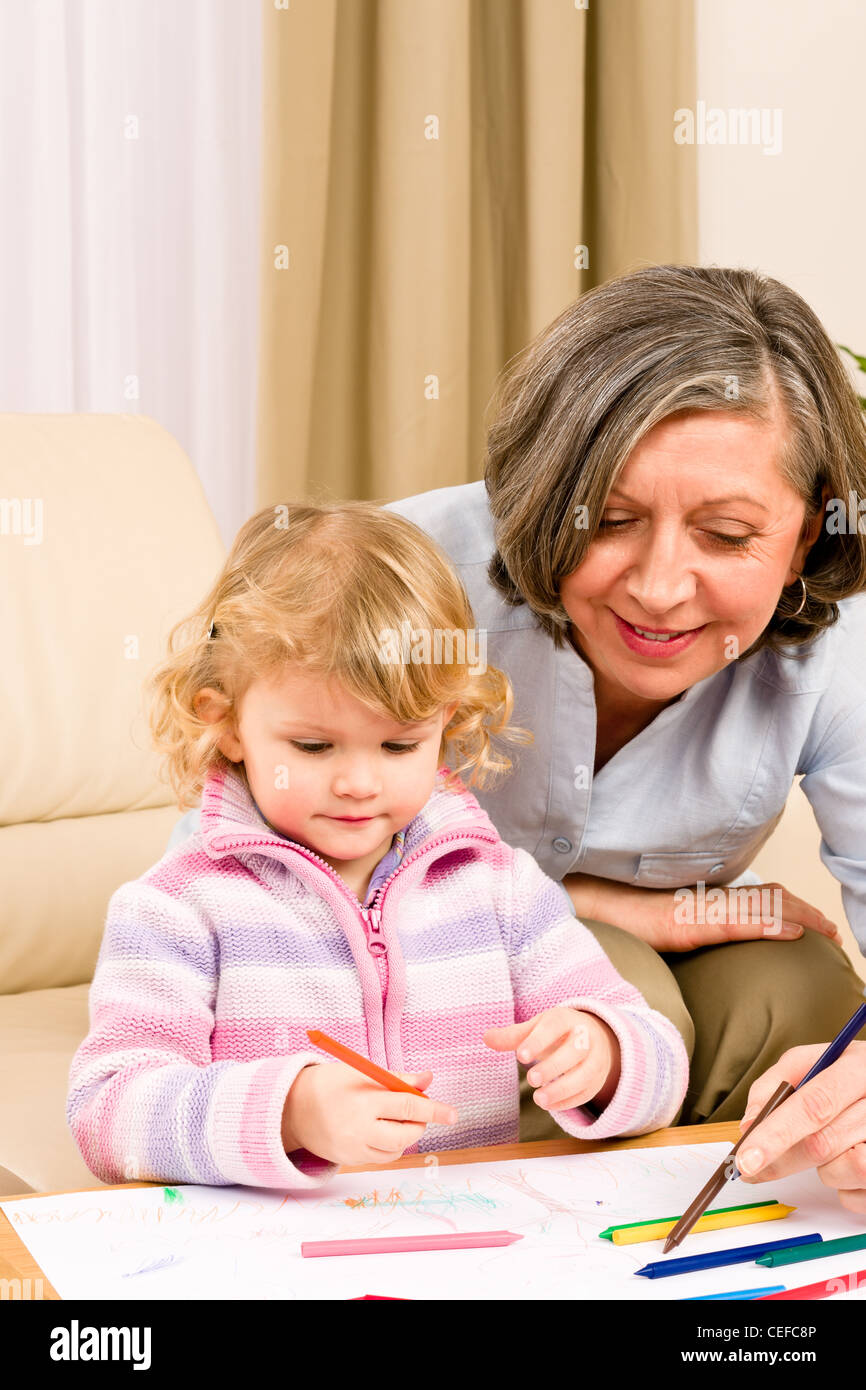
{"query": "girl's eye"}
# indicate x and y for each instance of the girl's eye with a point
(319, 747)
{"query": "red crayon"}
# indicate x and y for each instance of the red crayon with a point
(841, 1283)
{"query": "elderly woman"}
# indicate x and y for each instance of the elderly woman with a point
(664, 559)
(665, 562)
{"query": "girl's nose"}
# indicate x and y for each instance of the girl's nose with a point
(359, 780)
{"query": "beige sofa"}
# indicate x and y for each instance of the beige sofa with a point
(106, 540)
(127, 546)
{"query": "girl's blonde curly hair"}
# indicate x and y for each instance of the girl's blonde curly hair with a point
(319, 587)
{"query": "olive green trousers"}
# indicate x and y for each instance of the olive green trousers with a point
(738, 1006)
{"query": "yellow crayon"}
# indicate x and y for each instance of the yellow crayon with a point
(711, 1221)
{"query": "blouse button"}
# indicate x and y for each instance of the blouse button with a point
(562, 844)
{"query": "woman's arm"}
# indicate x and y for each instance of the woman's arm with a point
(662, 919)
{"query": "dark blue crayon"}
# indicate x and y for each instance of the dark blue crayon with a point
(711, 1259)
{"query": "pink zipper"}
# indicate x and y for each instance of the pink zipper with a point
(371, 916)
(376, 944)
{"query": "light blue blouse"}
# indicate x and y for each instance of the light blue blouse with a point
(696, 793)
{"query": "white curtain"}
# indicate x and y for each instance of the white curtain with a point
(129, 221)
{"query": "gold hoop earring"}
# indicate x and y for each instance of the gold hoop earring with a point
(803, 599)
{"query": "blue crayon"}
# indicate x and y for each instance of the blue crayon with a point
(712, 1259)
(740, 1293)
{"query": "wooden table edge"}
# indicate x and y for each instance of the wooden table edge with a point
(17, 1263)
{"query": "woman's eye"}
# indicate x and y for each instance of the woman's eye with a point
(738, 542)
(717, 537)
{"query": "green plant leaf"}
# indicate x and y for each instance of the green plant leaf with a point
(861, 361)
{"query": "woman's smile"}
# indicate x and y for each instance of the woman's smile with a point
(656, 642)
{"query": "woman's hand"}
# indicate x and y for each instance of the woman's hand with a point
(823, 1126)
(335, 1112)
(686, 918)
(576, 1056)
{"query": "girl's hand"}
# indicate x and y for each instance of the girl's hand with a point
(335, 1112)
(668, 920)
(576, 1056)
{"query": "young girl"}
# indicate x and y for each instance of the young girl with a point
(344, 878)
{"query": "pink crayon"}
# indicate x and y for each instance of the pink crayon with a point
(392, 1245)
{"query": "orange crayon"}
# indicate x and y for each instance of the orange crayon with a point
(363, 1064)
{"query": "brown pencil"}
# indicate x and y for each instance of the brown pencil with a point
(722, 1174)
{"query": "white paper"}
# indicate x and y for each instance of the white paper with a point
(244, 1243)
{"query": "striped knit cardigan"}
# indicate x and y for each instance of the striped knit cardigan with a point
(215, 962)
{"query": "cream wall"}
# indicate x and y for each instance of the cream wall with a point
(800, 216)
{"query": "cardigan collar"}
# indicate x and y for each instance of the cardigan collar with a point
(230, 818)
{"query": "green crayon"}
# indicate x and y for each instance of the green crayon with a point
(797, 1253)
(658, 1220)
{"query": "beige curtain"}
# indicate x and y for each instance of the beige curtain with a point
(431, 169)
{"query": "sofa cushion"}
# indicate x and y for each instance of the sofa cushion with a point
(57, 879)
(39, 1032)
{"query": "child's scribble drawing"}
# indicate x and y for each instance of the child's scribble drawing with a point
(519, 1182)
(603, 1167)
(243, 1243)
(154, 1265)
(419, 1202)
(437, 1202)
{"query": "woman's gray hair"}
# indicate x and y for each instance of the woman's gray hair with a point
(572, 406)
